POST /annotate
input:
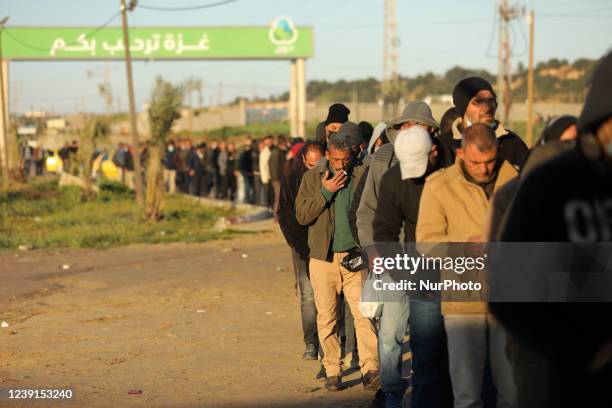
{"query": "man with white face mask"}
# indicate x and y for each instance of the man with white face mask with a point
(476, 102)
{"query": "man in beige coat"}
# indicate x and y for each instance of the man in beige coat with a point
(454, 209)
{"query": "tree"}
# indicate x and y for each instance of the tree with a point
(95, 132)
(163, 111)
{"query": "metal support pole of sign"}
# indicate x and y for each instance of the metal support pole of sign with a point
(4, 145)
(301, 98)
(293, 117)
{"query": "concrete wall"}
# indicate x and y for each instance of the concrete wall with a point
(373, 113)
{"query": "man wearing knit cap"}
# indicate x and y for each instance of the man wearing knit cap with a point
(476, 102)
(559, 128)
(336, 116)
(567, 199)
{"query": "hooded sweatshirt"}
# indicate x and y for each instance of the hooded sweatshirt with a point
(564, 200)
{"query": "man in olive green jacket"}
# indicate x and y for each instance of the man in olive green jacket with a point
(323, 203)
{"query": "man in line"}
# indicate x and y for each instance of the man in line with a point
(296, 236)
(277, 162)
(425, 317)
(454, 208)
(419, 155)
(169, 162)
(337, 114)
(197, 171)
(323, 203)
(475, 102)
(245, 165)
(264, 169)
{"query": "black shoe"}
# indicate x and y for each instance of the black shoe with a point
(379, 400)
(321, 375)
(311, 352)
(333, 383)
(371, 380)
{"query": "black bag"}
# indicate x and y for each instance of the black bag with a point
(354, 261)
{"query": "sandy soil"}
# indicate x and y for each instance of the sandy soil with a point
(189, 325)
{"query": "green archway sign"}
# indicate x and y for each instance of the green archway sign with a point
(280, 40)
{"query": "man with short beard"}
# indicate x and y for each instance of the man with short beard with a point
(454, 208)
(296, 236)
(476, 102)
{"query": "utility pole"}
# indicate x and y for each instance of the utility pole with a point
(504, 69)
(132, 103)
(530, 21)
(390, 85)
(4, 131)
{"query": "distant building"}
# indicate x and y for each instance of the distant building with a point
(56, 123)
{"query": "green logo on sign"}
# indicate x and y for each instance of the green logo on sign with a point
(283, 31)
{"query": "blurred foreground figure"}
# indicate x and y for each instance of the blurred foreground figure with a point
(561, 353)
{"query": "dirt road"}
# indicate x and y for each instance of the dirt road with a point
(189, 325)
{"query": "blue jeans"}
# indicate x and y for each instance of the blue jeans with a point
(393, 322)
(431, 385)
(307, 304)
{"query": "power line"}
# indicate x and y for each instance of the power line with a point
(88, 35)
(575, 13)
(573, 16)
(189, 8)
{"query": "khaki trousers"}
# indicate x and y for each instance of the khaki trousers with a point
(329, 279)
(170, 180)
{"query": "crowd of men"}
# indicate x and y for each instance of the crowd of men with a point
(250, 173)
(465, 179)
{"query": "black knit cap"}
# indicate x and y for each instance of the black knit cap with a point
(366, 130)
(338, 113)
(555, 128)
(597, 106)
(466, 89)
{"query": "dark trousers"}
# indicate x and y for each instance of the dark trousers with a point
(248, 189)
(257, 187)
(431, 384)
(308, 309)
(218, 184)
(268, 194)
(198, 186)
(183, 181)
(276, 187)
(229, 186)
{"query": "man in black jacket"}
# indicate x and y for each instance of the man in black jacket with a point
(245, 165)
(296, 236)
(277, 160)
(561, 353)
(419, 155)
(475, 102)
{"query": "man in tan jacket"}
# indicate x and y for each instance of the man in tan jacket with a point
(454, 209)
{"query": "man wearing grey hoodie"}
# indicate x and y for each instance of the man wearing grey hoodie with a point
(425, 317)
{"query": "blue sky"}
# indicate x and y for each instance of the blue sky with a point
(434, 36)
